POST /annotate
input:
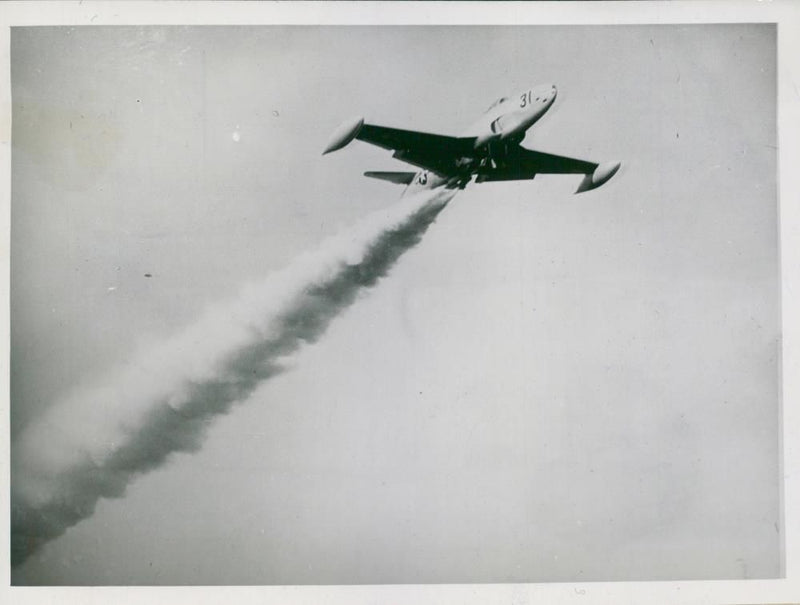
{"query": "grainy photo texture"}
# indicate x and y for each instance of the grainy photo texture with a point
(235, 360)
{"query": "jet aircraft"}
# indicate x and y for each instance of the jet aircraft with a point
(489, 150)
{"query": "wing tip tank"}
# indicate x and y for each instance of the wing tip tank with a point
(344, 134)
(601, 175)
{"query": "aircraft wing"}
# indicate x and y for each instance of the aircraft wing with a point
(421, 143)
(435, 152)
(527, 163)
(547, 163)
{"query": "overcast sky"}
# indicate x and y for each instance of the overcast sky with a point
(548, 387)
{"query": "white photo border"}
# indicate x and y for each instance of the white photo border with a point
(785, 13)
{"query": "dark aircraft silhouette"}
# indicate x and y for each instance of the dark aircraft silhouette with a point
(489, 150)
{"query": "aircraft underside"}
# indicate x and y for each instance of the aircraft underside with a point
(493, 151)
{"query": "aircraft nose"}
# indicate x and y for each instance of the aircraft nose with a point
(546, 94)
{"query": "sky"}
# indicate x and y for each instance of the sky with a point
(544, 387)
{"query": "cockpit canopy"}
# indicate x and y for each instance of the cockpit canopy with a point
(496, 103)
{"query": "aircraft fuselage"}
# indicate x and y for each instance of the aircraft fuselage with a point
(499, 129)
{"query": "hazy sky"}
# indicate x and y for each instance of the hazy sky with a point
(548, 387)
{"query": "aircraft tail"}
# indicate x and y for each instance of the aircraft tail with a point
(401, 178)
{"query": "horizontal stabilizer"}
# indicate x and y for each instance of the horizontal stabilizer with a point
(401, 178)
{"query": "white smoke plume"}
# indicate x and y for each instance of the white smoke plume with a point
(95, 441)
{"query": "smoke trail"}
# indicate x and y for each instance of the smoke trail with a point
(94, 442)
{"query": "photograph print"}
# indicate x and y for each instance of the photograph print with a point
(317, 305)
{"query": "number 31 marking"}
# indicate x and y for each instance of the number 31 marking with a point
(525, 99)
